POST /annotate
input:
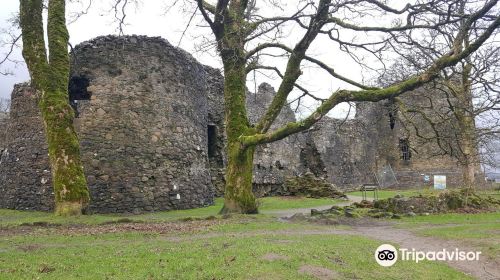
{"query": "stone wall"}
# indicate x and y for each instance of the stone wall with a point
(142, 119)
(276, 161)
(143, 131)
(152, 135)
(366, 149)
(25, 179)
(424, 159)
(150, 120)
(345, 151)
(215, 130)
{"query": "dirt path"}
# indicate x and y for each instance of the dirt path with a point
(484, 268)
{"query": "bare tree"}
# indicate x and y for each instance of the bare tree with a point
(119, 10)
(10, 38)
(469, 116)
(244, 35)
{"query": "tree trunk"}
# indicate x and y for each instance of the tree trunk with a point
(51, 81)
(238, 195)
(468, 173)
(469, 155)
(467, 128)
(469, 152)
(70, 186)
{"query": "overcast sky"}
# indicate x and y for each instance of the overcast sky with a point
(149, 18)
(9, 7)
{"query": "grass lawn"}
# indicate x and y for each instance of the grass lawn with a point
(167, 245)
(281, 203)
(258, 248)
(478, 230)
(383, 194)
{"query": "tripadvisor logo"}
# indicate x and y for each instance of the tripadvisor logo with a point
(387, 255)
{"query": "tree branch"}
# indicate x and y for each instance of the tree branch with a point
(372, 95)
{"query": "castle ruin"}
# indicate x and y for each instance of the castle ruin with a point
(150, 122)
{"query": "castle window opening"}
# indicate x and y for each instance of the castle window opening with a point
(404, 146)
(77, 90)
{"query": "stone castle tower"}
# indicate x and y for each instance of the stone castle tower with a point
(150, 122)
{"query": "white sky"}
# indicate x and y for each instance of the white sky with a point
(149, 19)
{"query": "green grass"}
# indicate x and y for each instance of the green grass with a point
(228, 253)
(228, 249)
(452, 218)
(383, 194)
(14, 218)
(478, 230)
(281, 203)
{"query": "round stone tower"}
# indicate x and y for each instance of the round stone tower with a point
(141, 107)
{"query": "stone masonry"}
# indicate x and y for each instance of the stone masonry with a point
(150, 120)
(4, 122)
(276, 161)
(25, 179)
(141, 108)
(142, 125)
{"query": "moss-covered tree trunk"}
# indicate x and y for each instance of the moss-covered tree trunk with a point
(50, 78)
(238, 195)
